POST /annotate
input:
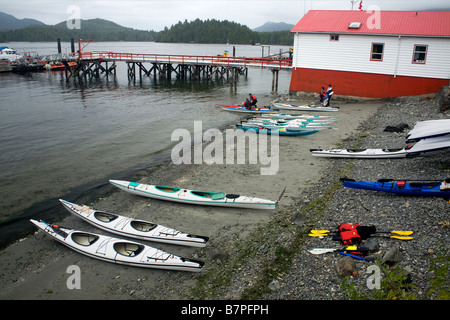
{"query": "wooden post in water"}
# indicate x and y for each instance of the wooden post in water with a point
(275, 79)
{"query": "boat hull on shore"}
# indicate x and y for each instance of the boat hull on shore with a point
(412, 188)
(193, 196)
(117, 251)
(134, 228)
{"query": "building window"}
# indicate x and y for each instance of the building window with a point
(334, 37)
(420, 53)
(377, 52)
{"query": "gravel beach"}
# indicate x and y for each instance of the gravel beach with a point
(260, 254)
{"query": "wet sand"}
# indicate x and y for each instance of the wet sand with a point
(36, 267)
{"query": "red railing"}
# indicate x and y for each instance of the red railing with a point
(187, 59)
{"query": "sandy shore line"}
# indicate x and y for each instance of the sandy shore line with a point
(36, 267)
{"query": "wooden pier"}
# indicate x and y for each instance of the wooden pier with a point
(165, 66)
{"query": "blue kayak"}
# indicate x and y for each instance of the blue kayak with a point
(413, 188)
(281, 131)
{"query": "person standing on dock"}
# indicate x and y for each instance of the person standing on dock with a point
(253, 100)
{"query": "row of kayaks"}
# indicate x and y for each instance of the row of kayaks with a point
(277, 107)
(281, 124)
(292, 127)
(125, 252)
(431, 135)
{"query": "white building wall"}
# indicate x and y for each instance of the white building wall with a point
(353, 52)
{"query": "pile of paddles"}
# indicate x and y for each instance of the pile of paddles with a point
(352, 235)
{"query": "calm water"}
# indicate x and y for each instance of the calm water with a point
(60, 137)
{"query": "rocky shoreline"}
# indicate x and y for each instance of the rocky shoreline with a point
(254, 255)
(315, 277)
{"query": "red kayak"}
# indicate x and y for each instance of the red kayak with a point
(238, 108)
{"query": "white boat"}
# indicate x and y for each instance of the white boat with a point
(193, 196)
(360, 153)
(10, 54)
(430, 144)
(117, 251)
(429, 129)
(286, 106)
(133, 228)
(293, 116)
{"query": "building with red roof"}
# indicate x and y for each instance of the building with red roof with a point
(374, 54)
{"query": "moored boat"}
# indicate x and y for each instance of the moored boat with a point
(193, 196)
(413, 188)
(133, 228)
(116, 250)
(9, 54)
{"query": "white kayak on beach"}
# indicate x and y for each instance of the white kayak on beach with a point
(285, 116)
(117, 251)
(193, 196)
(286, 106)
(133, 228)
(360, 153)
(422, 146)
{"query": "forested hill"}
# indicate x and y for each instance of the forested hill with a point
(198, 31)
(214, 31)
(96, 29)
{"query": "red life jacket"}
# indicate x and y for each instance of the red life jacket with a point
(349, 233)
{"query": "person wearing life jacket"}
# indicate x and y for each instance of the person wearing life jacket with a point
(253, 100)
(247, 104)
(328, 94)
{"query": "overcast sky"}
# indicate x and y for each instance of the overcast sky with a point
(156, 14)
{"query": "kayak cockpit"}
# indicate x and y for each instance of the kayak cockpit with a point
(210, 195)
(128, 249)
(84, 239)
(167, 189)
(142, 226)
(104, 216)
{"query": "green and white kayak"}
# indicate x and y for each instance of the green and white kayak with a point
(193, 196)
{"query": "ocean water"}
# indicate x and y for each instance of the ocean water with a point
(63, 136)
